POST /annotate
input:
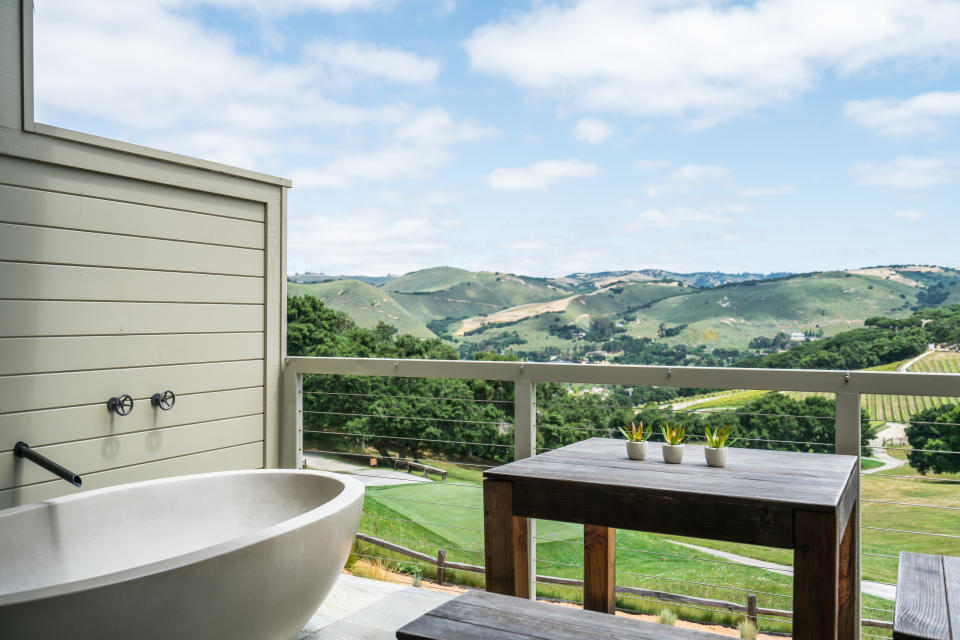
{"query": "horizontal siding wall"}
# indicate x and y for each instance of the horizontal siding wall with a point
(113, 285)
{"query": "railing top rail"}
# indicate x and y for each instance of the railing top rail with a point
(863, 382)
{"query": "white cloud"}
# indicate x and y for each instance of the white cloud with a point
(435, 126)
(674, 218)
(705, 61)
(349, 59)
(697, 173)
(592, 130)
(910, 215)
(908, 172)
(648, 166)
(390, 163)
(144, 65)
(763, 192)
(283, 7)
(923, 114)
(684, 178)
(393, 233)
(540, 175)
(420, 150)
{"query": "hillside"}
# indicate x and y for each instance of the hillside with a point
(365, 304)
(571, 316)
(447, 293)
(699, 279)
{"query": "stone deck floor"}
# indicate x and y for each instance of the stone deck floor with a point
(363, 609)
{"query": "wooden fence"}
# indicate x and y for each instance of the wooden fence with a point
(751, 610)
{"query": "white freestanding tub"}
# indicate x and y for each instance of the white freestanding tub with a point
(245, 554)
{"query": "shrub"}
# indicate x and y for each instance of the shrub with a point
(667, 617)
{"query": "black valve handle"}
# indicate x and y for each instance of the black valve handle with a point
(164, 400)
(121, 405)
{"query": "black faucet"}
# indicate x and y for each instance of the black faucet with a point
(23, 450)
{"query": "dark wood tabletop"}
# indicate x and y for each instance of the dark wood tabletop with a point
(804, 480)
(760, 489)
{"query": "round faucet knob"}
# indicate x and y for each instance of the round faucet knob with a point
(164, 400)
(120, 405)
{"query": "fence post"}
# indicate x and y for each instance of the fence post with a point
(752, 609)
(291, 426)
(441, 560)
(848, 443)
(524, 446)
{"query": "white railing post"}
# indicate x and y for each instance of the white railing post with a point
(291, 426)
(848, 441)
(525, 446)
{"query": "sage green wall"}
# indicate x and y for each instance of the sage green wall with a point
(130, 270)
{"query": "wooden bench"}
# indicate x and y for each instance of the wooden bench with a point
(480, 615)
(411, 465)
(928, 598)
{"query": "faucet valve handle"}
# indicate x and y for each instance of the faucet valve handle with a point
(121, 405)
(164, 400)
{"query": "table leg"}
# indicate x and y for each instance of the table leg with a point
(504, 541)
(599, 568)
(849, 593)
(816, 576)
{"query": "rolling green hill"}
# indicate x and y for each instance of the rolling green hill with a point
(365, 304)
(494, 309)
(445, 292)
(727, 316)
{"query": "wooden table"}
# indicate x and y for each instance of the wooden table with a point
(801, 501)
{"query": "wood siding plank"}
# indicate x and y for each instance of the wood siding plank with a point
(53, 426)
(101, 454)
(82, 213)
(57, 282)
(53, 390)
(49, 355)
(246, 456)
(25, 172)
(30, 318)
(20, 243)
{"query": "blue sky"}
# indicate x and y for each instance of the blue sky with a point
(544, 137)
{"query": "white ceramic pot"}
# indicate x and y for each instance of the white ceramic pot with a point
(716, 456)
(672, 453)
(637, 450)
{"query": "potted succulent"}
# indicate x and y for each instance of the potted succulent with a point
(672, 447)
(716, 449)
(636, 441)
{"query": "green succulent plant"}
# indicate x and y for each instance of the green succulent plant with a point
(674, 435)
(718, 438)
(636, 433)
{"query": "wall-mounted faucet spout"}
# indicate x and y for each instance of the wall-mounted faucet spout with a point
(23, 450)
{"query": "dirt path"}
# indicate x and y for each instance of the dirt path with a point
(906, 366)
(880, 590)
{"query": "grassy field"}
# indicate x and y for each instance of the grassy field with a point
(883, 408)
(449, 516)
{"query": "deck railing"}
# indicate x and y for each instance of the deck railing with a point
(851, 389)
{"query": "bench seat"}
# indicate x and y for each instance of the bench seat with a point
(479, 615)
(928, 598)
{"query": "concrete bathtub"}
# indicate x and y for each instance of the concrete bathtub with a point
(245, 554)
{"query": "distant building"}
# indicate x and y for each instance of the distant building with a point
(798, 336)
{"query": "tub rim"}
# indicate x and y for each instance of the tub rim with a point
(352, 491)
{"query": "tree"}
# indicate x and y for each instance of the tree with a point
(933, 430)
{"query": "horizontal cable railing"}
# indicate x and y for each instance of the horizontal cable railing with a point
(405, 424)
